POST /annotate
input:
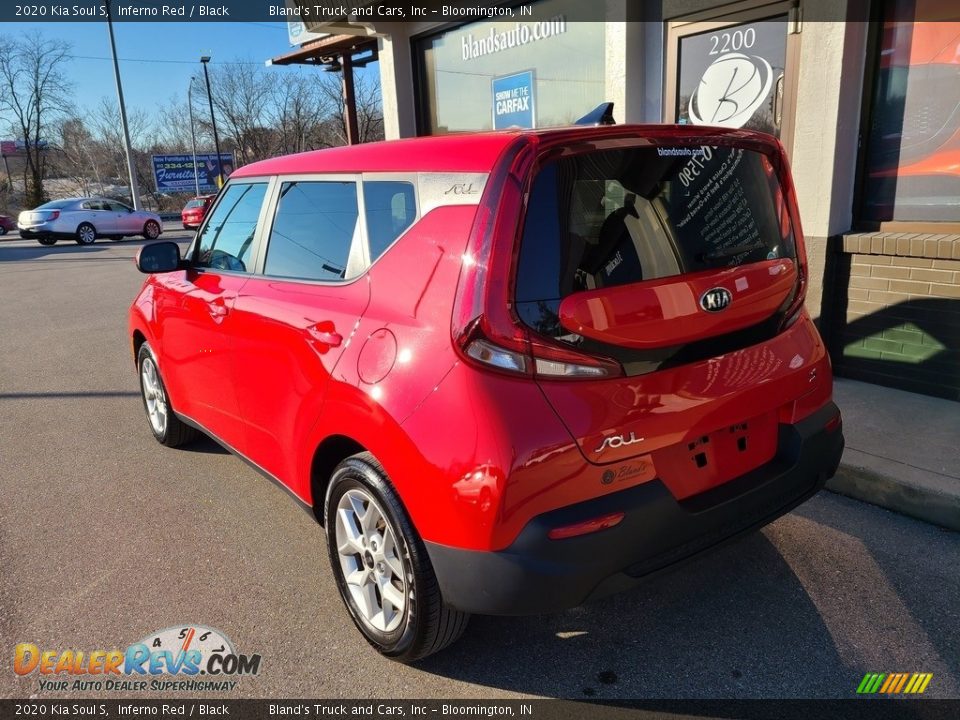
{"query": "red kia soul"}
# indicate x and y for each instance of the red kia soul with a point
(509, 372)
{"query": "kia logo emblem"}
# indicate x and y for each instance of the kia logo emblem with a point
(715, 299)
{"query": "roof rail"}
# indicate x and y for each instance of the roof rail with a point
(602, 114)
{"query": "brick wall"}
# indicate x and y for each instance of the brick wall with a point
(893, 316)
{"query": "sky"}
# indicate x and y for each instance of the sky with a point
(156, 58)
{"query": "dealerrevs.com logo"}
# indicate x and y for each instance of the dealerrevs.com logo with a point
(187, 657)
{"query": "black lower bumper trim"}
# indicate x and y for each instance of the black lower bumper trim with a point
(536, 574)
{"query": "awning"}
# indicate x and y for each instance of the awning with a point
(325, 50)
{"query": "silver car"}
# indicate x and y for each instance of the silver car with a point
(86, 219)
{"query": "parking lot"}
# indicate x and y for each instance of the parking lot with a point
(106, 536)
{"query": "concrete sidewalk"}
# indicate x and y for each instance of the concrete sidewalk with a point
(903, 451)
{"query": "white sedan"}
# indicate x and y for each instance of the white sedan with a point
(86, 219)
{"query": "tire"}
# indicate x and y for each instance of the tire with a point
(86, 234)
(47, 240)
(151, 230)
(3, 231)
(172, 431)
(390, 547)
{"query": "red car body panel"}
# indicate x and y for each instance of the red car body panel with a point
(278, 368)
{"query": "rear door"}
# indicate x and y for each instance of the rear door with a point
(98, 213)
(676, 258)
(297, 315)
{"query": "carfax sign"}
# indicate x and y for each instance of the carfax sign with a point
(174, 173)
(513, 101)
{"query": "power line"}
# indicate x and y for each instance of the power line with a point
(144, 60)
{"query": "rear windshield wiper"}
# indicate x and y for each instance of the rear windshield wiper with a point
(731, 251)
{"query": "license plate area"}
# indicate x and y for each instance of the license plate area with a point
(711, 459)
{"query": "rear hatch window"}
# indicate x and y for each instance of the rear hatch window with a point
(650, 244)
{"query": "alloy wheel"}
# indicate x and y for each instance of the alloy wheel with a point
(87, 234)
(153, 396)
(370, 561)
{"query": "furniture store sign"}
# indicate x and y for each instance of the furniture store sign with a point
(180, 174)
(513, 101)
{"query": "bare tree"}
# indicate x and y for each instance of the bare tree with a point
(81, 155)
(369, 108)
(109, 134)
(241, 98)
(297, 113)
(172, 131)
(33, 91)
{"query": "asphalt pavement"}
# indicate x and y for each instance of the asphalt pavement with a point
(106, 536)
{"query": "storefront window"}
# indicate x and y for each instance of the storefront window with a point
(913, 152)
(733, 76)
(539, 71)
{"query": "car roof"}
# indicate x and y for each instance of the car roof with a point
(473, 151)
(462, 152)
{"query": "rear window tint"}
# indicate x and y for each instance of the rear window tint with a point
(55, 205)
(390, 209)
(315, 231)
(621, 216)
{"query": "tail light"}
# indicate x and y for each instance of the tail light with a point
(786, 199)
(54, 214)
(485, 328)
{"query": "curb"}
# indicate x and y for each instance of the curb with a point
(914, 499)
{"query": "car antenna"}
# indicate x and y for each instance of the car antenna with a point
(602, 114)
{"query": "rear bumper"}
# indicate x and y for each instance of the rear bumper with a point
(536, 574)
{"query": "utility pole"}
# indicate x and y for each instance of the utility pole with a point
(131, 171)
(193, 137)
(213, 119)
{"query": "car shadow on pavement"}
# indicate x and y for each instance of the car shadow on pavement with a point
(767, 616)
(206, 446)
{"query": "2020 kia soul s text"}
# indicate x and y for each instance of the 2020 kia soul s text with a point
(507, 371)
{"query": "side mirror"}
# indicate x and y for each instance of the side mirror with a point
(158, 257)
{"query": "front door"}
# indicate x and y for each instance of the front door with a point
(128, 222)
(195, 314)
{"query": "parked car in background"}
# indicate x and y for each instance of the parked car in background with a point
(86, 219)
(509, 372)
(7, 224)
(195, 210)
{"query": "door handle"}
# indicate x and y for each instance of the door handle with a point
(326, 336)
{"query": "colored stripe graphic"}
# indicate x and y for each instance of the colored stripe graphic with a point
(903, 680)
(891, 682)
(894, 683)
